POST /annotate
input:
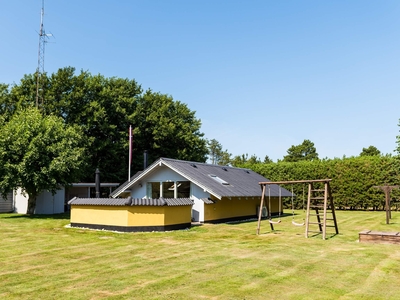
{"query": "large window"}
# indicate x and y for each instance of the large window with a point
(168, 189)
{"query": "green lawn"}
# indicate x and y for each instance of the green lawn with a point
(41, 259)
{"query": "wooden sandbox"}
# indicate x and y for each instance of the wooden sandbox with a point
(379, 237)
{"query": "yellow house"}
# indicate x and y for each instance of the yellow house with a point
(219, 193)
(129, 215)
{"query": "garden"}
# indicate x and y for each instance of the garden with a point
(42, 258)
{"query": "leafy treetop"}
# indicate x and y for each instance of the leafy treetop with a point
(370, 151)
(304, 151)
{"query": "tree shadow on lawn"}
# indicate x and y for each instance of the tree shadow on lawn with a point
(63, 216)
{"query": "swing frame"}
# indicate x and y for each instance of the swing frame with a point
(328, 198)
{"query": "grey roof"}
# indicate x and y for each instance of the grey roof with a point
(219, 181)
(130, 201)
(162, 202)
(178, 201)
(98, 201)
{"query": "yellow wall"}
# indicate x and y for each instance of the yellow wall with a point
(178, 214)
(145, 215)
(159, 215)
(235, 208)
(131, 216)
(104, 215)
(274, 204)
(166, 215)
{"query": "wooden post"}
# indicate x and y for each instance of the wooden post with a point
(308, 208)
(325, 207)
(260, 210)
(387, 206)
(332, 208)
(387, 189)
(263, 186)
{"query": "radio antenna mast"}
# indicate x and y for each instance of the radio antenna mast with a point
(43, 36)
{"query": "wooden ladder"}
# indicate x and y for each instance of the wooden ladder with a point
(320, 200)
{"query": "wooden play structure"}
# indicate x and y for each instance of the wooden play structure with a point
(320, 212)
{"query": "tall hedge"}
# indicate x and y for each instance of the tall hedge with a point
(353, 179)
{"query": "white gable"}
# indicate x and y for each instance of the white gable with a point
(160, 174)
(164, 173)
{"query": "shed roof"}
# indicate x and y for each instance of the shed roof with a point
(219, 181)
(130, 201)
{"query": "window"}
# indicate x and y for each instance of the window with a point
(168, 189)
(220, 180)
(184, 189)
(153, 190)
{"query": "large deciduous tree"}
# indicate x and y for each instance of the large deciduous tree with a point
(304, 151)
(104, 108)
(39, 153)
(166, 128)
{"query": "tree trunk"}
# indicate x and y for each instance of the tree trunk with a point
(31, 203)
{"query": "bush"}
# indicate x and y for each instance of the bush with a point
(353, 179)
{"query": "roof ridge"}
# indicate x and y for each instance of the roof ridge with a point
(203, 163)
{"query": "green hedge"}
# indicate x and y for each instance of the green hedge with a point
(353, 179)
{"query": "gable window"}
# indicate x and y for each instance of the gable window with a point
(184, 189)
(153, 190)
(168, 189)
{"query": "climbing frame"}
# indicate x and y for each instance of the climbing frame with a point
(320, 210)
(320, 213)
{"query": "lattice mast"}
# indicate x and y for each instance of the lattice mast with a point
(43, 36)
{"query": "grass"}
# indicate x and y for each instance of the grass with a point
(41, 259)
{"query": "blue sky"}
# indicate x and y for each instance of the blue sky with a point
(261, 75)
